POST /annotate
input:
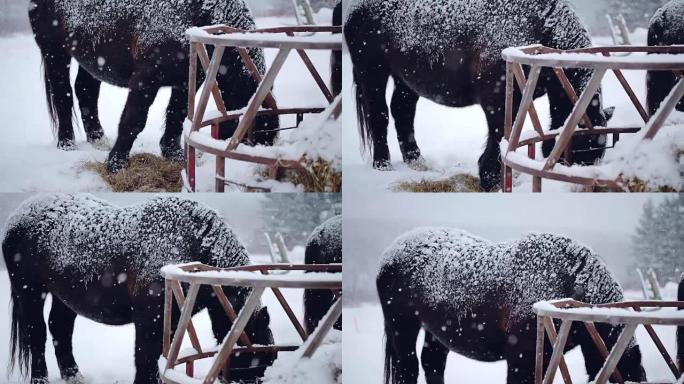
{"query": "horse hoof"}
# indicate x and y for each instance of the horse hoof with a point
(418, 164)
(66, 144)
(102, 143)
(76, 379)
(383, 165)
(117, 163)
(489, 182)
(174, 154)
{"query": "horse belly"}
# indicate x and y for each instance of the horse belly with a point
(109, 62)
(476, 337)
(451, 87)
(99, 300)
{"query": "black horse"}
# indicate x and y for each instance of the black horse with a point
(323, 247)
(666, 29)
(450, 52)
(139, 45)
(680, 330)
(102, 262)
(336, 56)
(475, 298)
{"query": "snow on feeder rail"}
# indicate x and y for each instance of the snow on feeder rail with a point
(600, 60)
(631, 314)
(256, 277)
(285, 39)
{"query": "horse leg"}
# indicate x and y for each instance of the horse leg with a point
(492, 96)
(373, 112)
(433, 358)
(520, 353)
(170, 143)
(317, 302)
(147, 314)
(140, 98)
(403, 107)
(88, 92)
(659, 85)
(629, 365)
(61, 324)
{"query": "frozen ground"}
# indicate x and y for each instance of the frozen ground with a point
(363, 352)
(452, 140)
(105, 353)
(30, 160)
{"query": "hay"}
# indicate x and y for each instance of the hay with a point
(317, 176)
(145, 173)
(456, 183)
(635, 185)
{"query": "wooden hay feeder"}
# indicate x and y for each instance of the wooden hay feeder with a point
(630, 314)
(600, 60)
(263, 277)
(220, 37)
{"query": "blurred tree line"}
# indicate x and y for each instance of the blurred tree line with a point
(637, 13)
(658, 242)
(295, 215)
(14, 16)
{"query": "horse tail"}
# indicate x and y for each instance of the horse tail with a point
(49, 99)
(361, 115)
(367, 68)
(20, 351)
(19, 356)
(389, 352)
(680, 330)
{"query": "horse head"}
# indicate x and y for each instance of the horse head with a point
(252, 365)
(247, 366)
(630, 365)
(587, 149)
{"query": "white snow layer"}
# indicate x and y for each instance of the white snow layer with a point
(324, 368)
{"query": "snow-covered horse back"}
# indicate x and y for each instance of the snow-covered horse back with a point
(324, 246)
(140, 45)
(475, 298)
(449, 51)
(102, 262)
(666, 28)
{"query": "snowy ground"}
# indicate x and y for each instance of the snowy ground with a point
(452, 140)
(363, 352)
(105, 353)
(31, 161)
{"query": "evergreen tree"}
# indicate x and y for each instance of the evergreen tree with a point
(295, 215)
(636, 13)
(658, 241)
